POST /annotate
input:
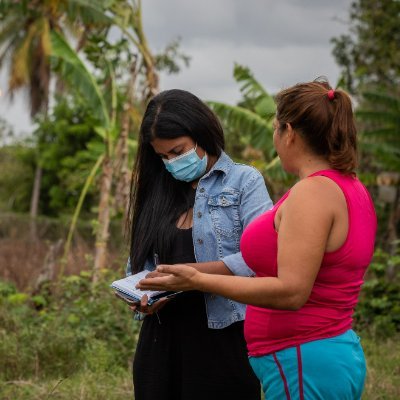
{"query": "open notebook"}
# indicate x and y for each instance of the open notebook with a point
(127, 287)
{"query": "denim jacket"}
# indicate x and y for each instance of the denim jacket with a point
(228, 197)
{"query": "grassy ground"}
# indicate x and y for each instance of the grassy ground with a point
(383, 381)
(83, 386)
(383, 363)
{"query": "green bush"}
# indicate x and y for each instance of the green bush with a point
(71, 328)
(378, 310)
(77, 341)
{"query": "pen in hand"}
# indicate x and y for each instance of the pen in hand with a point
(155, 273)
(156, 260)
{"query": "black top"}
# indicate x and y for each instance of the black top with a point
(179, 358)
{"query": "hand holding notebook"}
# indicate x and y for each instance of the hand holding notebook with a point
(126, 287)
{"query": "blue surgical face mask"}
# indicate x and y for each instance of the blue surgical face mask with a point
(187, 167)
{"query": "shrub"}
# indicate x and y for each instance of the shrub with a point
(71, 328)
(378, 310)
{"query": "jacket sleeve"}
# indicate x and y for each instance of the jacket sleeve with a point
(255, 200)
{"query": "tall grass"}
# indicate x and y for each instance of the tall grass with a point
(79, 344)
(22, 259)
(77, 334)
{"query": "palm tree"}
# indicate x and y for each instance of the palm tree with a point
(26, 27)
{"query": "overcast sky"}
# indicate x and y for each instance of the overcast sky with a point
(283, 42)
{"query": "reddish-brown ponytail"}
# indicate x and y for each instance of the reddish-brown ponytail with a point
(324, 118)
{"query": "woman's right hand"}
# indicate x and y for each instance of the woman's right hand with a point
(177, 277)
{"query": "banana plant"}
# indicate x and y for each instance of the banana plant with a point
(379, 118)
(25, 44)
(78, 76)
(33, 28)
(103, 101)
(250, 122)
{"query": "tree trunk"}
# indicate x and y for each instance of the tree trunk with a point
(152, 78)
(47, 271)
(102, 233)
(392, 232)
(35, 202)
(122, 152)
(122, 156)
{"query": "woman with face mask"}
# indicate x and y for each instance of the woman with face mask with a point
(190, 203)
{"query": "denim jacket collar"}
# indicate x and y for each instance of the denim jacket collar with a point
(224, 164)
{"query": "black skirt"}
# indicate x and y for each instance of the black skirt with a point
(179, 358)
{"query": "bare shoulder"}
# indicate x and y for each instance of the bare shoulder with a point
(318, 187)
(311, 208)
(316, 193)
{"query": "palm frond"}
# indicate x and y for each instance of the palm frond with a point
(383, 99)
(247, 122)
(389, 133)
(45, 40)
(8, 30)
(78, 76)
(379, 116)
(90, 11)
(8, 49)
(20, 70)
(254, 94)
(250, 87)
(385, 155)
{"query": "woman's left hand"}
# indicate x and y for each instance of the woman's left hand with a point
(179, 277)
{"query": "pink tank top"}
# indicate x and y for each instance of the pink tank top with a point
(329, 309)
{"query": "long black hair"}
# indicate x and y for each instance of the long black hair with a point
(157, 199)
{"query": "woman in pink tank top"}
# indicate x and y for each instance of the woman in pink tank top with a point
(309, 253)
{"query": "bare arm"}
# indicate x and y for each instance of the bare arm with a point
(306, 220)
(212, 267)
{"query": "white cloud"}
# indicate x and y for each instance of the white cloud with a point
(211, 73)
(15, 112)
(283, 42)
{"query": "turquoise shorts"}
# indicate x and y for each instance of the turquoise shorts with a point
(327, 369)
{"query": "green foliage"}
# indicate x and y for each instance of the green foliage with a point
(16, 178)
(79, 329)
(84, 385)
(383, 379)
(79, 343)
(379, 307)
(383, 363)
(370, 53)
(253, 128)
(26, 40)
(255, 97)
(171, 58)
(379, 115)
(75, 72)
(248, 129)
(68, 146)
(7, 289)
